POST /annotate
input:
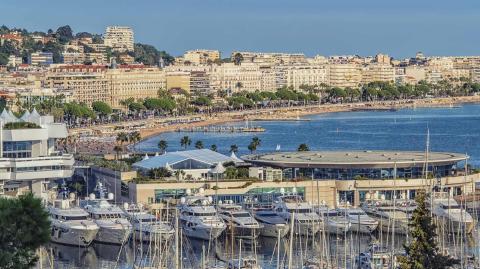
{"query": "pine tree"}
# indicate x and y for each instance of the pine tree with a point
(422, 252)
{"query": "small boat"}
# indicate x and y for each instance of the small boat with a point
(199, 219)
(147, 227)
(306, 221)
(243, 263)
(239, 222)
(273, 224)
(71, 225)
(332, 221)
(114, 226)
(360, 221)
(450, 214)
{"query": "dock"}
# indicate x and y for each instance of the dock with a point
(222, 129)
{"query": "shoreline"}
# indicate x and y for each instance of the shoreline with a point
(291, 113)
(153, 127)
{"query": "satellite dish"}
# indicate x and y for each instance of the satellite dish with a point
(92, 196)
(110, 196)
(282, 190)
(189, 191)
(210, 199)
(182, 200)
(220, 202)
(125, 206)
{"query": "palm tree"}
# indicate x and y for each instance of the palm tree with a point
(122, 137)
(185, 142)
(213, 147)
(117, 150)
(234, 148)
(257, 141)
(134, 137)
(199, 144)
(162, 145)
(303, 147)
(252, 147)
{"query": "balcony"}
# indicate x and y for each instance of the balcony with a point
(53, 166)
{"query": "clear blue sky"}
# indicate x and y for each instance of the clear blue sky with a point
(326, 27)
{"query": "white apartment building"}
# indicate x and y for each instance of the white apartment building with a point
(345, 75)
(201, 56)
(119, 38)
(28, 157)
(246, 76)
(307, 74)
(378, 72)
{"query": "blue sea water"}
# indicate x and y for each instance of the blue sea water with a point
(455, 129)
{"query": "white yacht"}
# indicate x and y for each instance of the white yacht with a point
(359, 220)
(71, 224)
(114, 226)
(332, 221)
(239, 222)
(391, 217)
(306, 221)
(147, 227)
(273, 223)
(450, 214)
(199, 219)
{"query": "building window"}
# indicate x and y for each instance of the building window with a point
(19, 149)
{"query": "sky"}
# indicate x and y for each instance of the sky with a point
(325, 27)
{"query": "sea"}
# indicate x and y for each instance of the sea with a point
(451, 129)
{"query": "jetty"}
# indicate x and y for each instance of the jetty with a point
(222, 129)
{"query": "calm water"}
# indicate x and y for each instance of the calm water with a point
(451, 129)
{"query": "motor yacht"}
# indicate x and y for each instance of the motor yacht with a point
(450, 214)
(306, 221)
(359, 220)
(199, 219)
(239, 221)
(146, 226)
(71, 224)
(273, 223)
(114, 226)
(391, 217)
(331, 221)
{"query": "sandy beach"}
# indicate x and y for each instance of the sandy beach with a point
(153, 127)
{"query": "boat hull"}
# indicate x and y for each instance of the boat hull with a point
(365, 228)
(273, 230)
(306, 228)
(82, 237)
(203, 233)
(113, 235)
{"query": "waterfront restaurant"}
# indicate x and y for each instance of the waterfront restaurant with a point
(358, 173)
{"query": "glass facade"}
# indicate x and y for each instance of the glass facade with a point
(365, 173)
(18, 149)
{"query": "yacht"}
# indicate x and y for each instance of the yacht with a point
(306, 221)
(273, 223)
(114, 226)
(239, 222)
(391, 217)
(244, 263)
(359, 220)
(199, 219)
(450, 214)
(332, 221)
(376, 257)
(71, 224)
(147, 227)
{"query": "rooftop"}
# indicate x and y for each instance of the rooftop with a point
(333, 159)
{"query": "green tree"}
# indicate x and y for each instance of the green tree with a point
(213, 147)
(234, 148)
(162, 145)
(102, 108)
(199, 144)
(422, 251)
(24, 227)
(134, 137)
(64, 34)
(159, 173)
(303, 147)
(122, 138)
(185, 142)
(237, 58)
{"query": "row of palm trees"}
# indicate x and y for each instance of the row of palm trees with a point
(123, 139)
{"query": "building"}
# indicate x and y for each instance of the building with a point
(199, 57)
(358, 173)
(345, 75)
(14, 60)
(378, 72)
(40, 58)
(270, 58)
(29, 157)
(196, 164)
(119, 38)
(307, 74)
(82, 58)
(137, 82)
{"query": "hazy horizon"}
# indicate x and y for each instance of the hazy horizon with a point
(345, 27)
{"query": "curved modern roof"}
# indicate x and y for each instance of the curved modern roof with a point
(353, 159)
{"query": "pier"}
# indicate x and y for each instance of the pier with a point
(222, 129)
